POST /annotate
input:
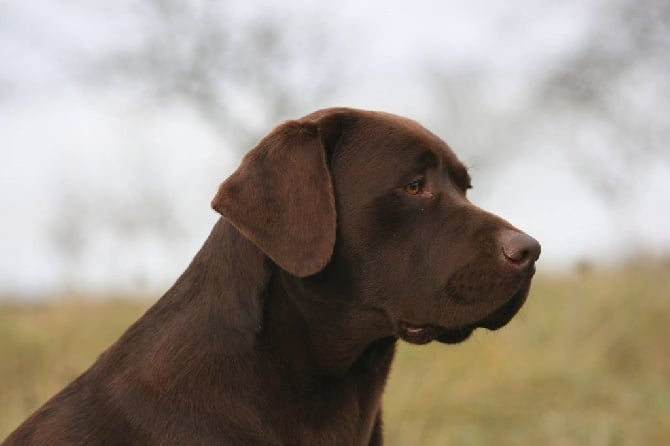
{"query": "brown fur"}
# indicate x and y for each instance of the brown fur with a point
(283, 328)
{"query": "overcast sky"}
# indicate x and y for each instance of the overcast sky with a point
(58, 133)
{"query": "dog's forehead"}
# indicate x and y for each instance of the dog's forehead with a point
(380, 134)
(410, 132)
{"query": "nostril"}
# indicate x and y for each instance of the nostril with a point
(519, 248)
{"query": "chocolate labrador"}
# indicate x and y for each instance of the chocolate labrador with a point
(342, 232)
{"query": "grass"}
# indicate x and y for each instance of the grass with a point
(586, 362)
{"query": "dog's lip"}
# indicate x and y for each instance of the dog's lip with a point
(423, 334)
(497, 319)
(508, 310)
(417, 333)
(413, 329)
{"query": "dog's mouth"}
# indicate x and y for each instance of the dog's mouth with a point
(419, 334)
(423, 334)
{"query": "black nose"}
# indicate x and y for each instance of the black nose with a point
(518, 248)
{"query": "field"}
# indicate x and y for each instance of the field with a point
(586, 362)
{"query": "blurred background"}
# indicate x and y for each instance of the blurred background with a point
(118, 120)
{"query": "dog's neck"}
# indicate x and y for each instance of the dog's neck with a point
(320, 330)
(224, 282)
(313, 326)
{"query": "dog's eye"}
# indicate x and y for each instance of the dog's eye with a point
(415, 187)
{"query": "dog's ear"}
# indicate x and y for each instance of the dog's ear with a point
(281, 196)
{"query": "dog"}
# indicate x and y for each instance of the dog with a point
(341, 232)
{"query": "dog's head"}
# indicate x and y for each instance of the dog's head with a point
(373, 206)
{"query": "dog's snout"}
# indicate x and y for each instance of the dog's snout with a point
(519, 249)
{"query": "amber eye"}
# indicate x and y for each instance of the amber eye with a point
(415, 187)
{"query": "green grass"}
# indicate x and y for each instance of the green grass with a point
(586, 362)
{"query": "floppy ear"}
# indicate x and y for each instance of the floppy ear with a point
(281, 196)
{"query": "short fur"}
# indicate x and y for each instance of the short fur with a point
(341, 233)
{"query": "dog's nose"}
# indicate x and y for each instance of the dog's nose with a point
(518, 248)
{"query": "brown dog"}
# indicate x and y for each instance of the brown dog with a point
(341, 232)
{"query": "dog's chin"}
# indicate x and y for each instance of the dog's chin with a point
(424, 334)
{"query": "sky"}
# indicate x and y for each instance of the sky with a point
(61, 136)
